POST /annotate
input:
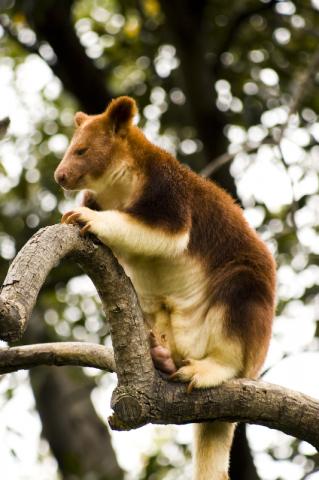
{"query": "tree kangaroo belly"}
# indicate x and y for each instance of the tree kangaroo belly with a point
(174, 299)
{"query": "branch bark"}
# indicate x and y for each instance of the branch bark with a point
(32, 265)
(143, 395)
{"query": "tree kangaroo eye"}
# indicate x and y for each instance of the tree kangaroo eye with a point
(81, 151)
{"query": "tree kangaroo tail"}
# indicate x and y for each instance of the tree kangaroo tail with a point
(212, 449)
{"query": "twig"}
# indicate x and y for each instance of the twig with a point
(225, 158)
(284, 357)
(65, 353)
(302, 89)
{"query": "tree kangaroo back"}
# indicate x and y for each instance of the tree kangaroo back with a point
(205, 281)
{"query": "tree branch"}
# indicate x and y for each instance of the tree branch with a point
(32, 265)
(225, 158)
(301, 89)
(142, 395)
(59, 354)
(240, 400)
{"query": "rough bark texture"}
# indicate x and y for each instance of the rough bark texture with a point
(142, 395)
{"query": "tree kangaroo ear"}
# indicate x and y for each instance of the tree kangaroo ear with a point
(119, 114)
(79, 118)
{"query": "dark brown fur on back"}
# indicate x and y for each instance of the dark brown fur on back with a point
(165, 197)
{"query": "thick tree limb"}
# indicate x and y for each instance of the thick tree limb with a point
(60, 354)
(241, 400)
(142, 395)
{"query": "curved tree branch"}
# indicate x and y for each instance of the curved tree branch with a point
(241, 400)
(32, 265)
(142, 395)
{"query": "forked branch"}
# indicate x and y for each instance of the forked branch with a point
(31, 267)
(142, 395)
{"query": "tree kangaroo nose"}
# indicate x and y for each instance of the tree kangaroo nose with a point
(60, 177)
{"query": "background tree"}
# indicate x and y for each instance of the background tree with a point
(209, 77)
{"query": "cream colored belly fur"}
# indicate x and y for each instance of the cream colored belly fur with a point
(173, 297)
